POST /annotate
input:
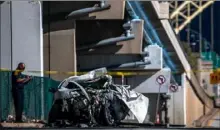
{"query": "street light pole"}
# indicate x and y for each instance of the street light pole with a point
(212, 28)
(200, 31)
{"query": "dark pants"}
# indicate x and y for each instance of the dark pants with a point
(18, 96)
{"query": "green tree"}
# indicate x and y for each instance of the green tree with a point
(191, 56)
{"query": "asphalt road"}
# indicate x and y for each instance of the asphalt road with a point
(119, 128)
(110, 128)
(124, 127)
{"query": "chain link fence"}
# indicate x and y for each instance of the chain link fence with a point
(38, 100)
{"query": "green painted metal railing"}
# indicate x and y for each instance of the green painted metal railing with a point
(33, 96)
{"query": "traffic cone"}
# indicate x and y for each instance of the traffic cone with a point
(157, 119)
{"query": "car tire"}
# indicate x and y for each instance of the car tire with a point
(107, 115)
(54, 113)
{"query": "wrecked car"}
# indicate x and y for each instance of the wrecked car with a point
(93, 99)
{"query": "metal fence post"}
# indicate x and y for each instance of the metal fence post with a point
(41, 78)
(0, 90)
(42, 98)
(0, 72)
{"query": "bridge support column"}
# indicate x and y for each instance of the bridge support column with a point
(177, 104)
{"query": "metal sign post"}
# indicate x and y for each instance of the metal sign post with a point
(122, 79)
(160, 80)
(217, 99)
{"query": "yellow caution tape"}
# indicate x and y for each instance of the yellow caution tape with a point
(111, 73)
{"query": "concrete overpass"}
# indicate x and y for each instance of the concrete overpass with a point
(171, 42)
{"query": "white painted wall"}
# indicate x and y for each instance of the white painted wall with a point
(155, 57)
(26, 36)
(21, 37)
(205, 69)
(5, 36)
(150, 84)
(177, 104)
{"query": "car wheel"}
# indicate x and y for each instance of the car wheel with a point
(108, 116)
(54, 114)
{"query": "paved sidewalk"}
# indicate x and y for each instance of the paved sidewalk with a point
(215, 122)
(21, 125)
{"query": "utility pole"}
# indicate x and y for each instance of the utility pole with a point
(0, 72)
(212, 28)
(189, 26)
(200, 31)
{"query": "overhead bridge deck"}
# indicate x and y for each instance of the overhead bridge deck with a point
(170, 40)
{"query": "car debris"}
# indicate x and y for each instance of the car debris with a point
(11, 119)
(93, 99)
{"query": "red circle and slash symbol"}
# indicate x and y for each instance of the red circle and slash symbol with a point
(173, 88)
(161, 79)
